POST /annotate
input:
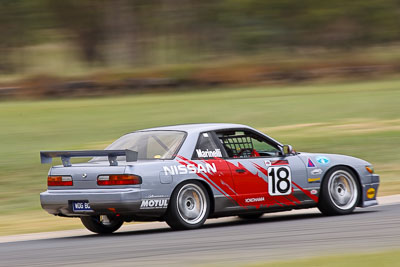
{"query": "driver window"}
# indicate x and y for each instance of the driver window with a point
(246, 144)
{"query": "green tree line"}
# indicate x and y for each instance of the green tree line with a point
(104, 32)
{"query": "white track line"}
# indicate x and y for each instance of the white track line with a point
(387, 200)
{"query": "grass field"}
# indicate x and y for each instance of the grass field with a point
(361, 119)
(385, 259)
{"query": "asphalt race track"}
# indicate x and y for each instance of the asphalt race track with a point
(278, 236)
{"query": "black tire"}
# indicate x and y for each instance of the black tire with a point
(340, 192)
(250, 216)
(189, 206)
(97, 225)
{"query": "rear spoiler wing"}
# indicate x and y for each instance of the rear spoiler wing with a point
(47, 156)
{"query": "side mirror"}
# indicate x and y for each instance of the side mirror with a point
(288, 150)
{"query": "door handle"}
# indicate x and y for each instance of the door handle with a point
(240, 170)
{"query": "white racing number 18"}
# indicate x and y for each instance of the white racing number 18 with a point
(279, 181)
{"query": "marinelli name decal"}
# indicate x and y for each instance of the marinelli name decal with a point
(209, 153)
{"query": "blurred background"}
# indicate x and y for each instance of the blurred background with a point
(77, 74)
(190, 42)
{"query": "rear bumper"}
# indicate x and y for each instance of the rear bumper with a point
(104, 201)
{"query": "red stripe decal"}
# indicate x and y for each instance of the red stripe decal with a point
(305, 191)
(225, 186)
(280, 162)
(212, 180)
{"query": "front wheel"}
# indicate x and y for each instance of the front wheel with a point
(189, 206)
(102, 224)
(339, 192)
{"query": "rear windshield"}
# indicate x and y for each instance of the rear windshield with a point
(149, 144)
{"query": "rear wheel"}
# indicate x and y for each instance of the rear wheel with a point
(102, 224)
(339, 192)
(189, 206)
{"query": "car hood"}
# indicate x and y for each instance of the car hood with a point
(333, 159)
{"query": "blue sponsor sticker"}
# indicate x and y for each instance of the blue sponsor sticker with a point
(323, 160)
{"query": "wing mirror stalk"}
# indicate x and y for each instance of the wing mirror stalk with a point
(288, 150)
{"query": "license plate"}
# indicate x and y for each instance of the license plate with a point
(81, 206)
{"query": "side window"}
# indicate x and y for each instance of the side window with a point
(245, 144)
(162, 145)
(206, 147)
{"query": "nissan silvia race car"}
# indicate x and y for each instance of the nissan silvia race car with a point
(185, 174)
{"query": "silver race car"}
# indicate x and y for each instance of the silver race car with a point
(185, 174)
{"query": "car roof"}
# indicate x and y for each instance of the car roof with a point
(198, 127)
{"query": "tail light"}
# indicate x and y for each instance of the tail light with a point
(119, 179)
(59, 181)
